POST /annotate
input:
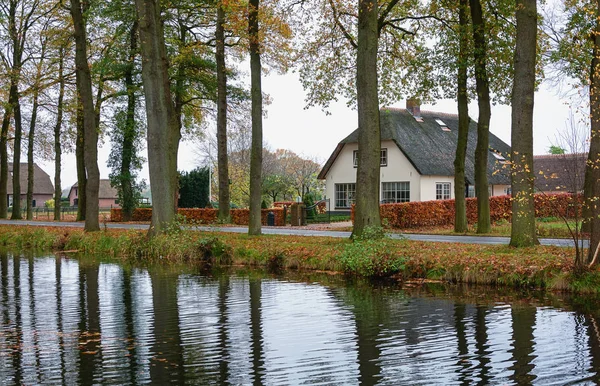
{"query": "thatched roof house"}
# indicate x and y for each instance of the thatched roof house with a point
(43, 189)
(418, 150)
(559, 173)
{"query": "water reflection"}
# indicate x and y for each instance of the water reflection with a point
(76, 321)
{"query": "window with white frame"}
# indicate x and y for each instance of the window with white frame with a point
(344, 195)
(382, 157)
(395, 192)
(442, 191)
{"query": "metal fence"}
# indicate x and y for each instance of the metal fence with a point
(318, 213)
(66, 212)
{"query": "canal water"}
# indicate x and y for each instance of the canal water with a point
(70, 321)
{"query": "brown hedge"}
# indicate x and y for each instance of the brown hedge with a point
(203, 215)
(441, 212)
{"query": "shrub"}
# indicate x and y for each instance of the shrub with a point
(202, 215)
(371, 255)
(441, 212)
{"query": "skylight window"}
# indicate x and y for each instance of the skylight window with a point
(440, 122)
(498, 156)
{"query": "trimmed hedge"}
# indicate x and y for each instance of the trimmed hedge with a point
(203, 215)
(441, 212)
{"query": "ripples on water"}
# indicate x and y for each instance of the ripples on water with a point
(70, 322)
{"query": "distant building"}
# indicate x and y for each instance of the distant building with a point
(107, 195)
(559, 173)
(417, 159)
(43, 190)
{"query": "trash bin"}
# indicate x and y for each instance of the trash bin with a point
(271, 219)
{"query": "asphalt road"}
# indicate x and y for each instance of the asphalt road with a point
(304, 232)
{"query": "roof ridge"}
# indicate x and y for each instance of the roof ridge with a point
(550, 156)
(428, 112)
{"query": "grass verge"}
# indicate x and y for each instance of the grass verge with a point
(537, 267)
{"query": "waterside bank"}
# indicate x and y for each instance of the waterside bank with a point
(549, 267)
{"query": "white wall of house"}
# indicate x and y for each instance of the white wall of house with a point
(399, 169)
(500, 190)
(341, 172)
(429, 185)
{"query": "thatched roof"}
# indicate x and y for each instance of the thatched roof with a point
(429, 143)
(559, 172)
(41, 180)
(105, 190)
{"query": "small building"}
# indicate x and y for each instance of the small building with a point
(43, 189)
(107, 195)
(417, 159)
(559, 173)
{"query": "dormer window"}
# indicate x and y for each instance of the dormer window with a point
(500, 158)
(442, 124)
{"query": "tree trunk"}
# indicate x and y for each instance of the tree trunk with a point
(222, 157)
(31, 138)
(163, 131)
(15, 74)
(460, 206)
(4, 161)
(16, 170)
(483, 125)
(523, 211)
(90, 132)
(254, 227)
(127, 191)
(369, 134)
(79, 154)
(57, 137)
(592, 170)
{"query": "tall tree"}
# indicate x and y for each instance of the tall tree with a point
(460, 207)
(84, 88)
(124, 159)
(574, 52)
(163, 131)
(523, 232)
(222, 157)
(254, 226)
(36, 90)
(592, 171)
(483, 125)
(57, 134)
(79, 158)
(369, 134)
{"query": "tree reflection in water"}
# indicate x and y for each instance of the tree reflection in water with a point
(66, 321)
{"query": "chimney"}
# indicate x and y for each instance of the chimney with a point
(413, 105)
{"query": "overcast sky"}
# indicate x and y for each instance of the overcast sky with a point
(311, 132)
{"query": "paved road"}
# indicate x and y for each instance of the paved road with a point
(305, 232)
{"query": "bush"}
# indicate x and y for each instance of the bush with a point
(371, 255)
(441, 212)
(202, 215)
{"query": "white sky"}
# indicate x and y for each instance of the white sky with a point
(313, 133)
